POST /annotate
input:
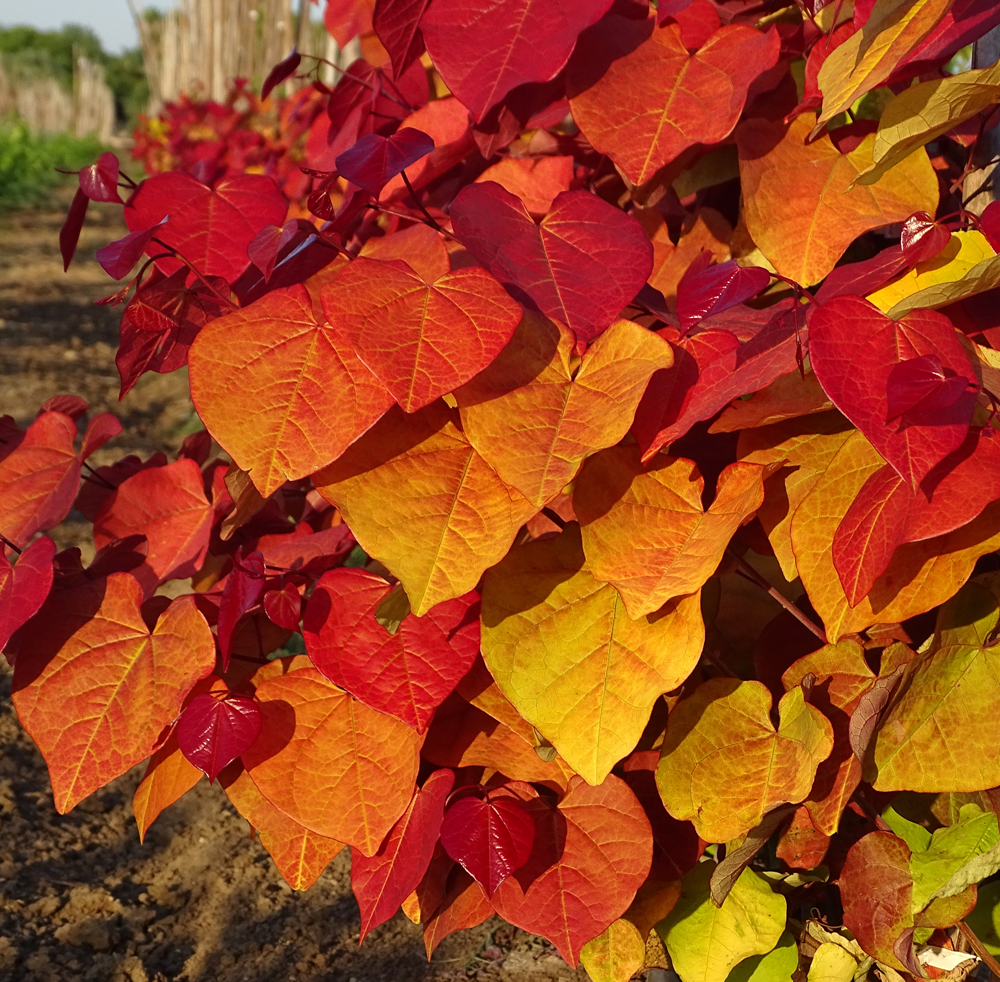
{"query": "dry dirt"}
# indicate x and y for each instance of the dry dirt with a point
(80, 898)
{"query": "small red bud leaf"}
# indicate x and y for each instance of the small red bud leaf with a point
(213, 732)
(118, 257)
(69, 234)
(284, 607)
(99, 182)
(374, 160)
(989, 222)
(922, 385)
(243, 588)
(491, 837)
(715, 289)
(284, 69)
(922, 238)
(24, 586)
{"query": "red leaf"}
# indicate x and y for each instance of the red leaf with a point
(168, 506)
(72, 406)
(582, 265)
(922, 238)
(69, 234)
(100, 429)
(196, 447)
(118, 258)
(989, 223)
(701, 294)
(213, 732)
(491, 836)
(854, 347)
(481, 56)
(863, 277)
(284, 69)
(443, 334)
(99, 182)
(243, 588)
(24, 586)
(375, 159)
(211, 228)
(397, 24)
(284, 607)
(591, 855)
(922, 385)
(407, 674)
(305, 551)
(383, 881)
(346, 19)
(39, 479)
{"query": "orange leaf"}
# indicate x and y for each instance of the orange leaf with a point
(422, 501)
(300, 855)
(282, 392)
(566, 654)
(723, 765)
(538, 410)
(535, 180)
(799, 210)
(656, 99)
(419, 246)
(591, 855)
(330, 763)
(440, 334)
(646, 532)
(94, 687)
(705, 230)
(842, 678)
(169, 776)
(39, 478)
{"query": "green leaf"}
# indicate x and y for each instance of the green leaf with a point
(958, 855)
(777, 965)
(706, 942)
(915, 836)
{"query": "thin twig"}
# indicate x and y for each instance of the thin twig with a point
(554, 518)
(9, 544)
(98, 478)
(419, 204)
(979, 948)
(412, 218)
(751, 574)
(716, 659)
(179, 255)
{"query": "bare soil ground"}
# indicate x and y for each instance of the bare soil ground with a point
(80, 898)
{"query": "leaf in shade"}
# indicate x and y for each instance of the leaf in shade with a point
(243, 588)
(69, 234)
(302, 370)
(444, 332)
(376, 159)
(922, 385)
(716, 289)
(537, 181)
(406, 673)
(989, 223)
(87, 665)
(169, 776)
(397, 24)
(481, 57)
(25, 585)
(591, 854)
(118, 258)
(922, 238)
(461, 903)
(581, 265)
(490, 836)
(383, 881)
(332, 764)
(655, 98)
(168, 506)
(854, 348)
(268, 242)
(210, 227)
(213, 732)
(99, 181)
(284, 606)
(283, 70)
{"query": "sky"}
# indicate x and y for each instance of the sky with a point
(110, 20)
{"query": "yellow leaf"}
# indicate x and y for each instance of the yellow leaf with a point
(616, 954)
(723, 766)
(421, 500)
(800, 207)
(539, 410)
(924, 112)
(965, 266)
(563, 650)
(831, 963)
(869, 56)
(645, 531)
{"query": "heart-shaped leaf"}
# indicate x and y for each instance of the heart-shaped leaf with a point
(118, 258)
(24, 585)
(490, 836)
(99, 181)
(922, 238)
(922, 385)
(284, 606)
(715, 289)
(213, 732)
(376, 159)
